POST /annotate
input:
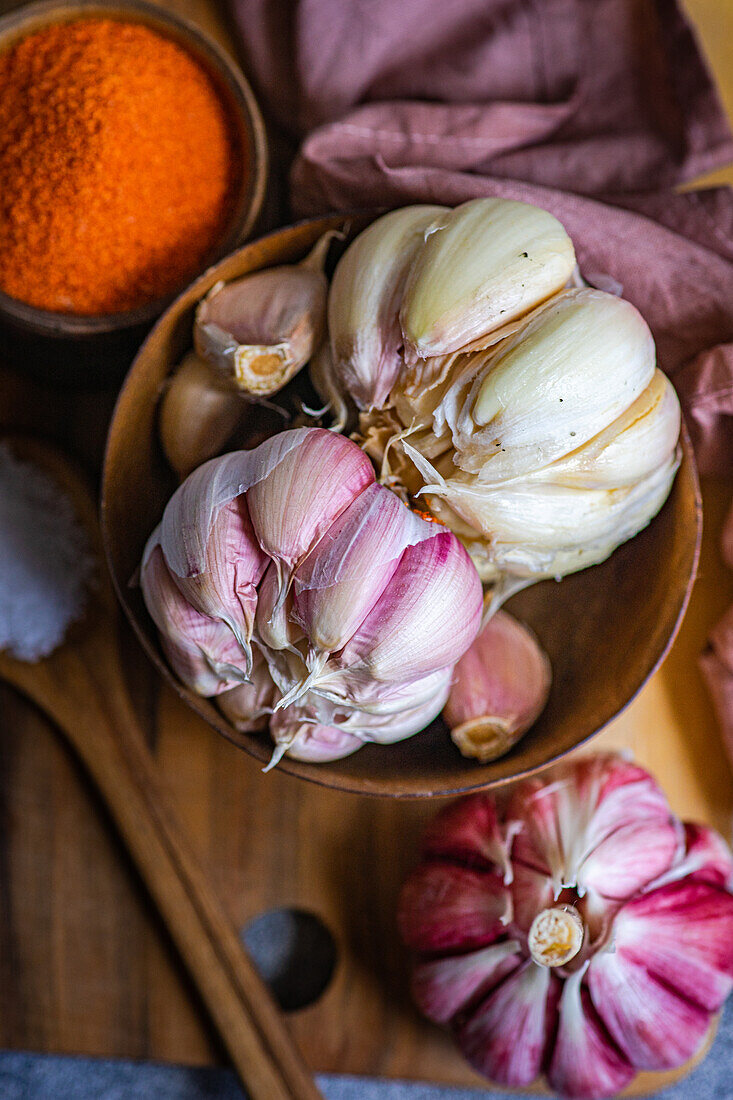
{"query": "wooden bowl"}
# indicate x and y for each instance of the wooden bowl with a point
(248, 129)
(606, 629)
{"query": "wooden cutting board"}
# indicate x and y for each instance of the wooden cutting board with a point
(84, 963)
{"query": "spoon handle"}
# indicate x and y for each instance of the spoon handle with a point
(99, 720)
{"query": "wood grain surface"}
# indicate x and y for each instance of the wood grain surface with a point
(85, 965)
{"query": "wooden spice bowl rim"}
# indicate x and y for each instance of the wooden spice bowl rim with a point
(606, 629)
(240, 101)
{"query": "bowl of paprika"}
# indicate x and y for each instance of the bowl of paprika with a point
(132, 156)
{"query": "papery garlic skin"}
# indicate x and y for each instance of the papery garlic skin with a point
(672, 960)
(249, 706)
(507, 1036)
(500, 687)
(203, 651)
(594, 837)
(364, 303)
(584, 1064)
(319, 728)
(323, 378)
(323, 725)
(484, 263)
(226, 589)
(311, 594)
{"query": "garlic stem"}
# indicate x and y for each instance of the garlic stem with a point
(556, 935)
(316, 258)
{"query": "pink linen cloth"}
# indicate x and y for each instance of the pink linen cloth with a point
(593, 109)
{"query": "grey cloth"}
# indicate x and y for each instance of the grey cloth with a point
(50, 1077)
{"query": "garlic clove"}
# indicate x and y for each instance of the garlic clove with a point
(297, 482)
(248, 706)
(346, 688)
(276, 627)
(420, 392)
(585, 1064)
(426, 617)
(468, 831)
(383, 718)
(555, 385)
(202, 651)
(310, 741)
(323, 379)
(260, 330)
(386, 727)
(190, 513)
(428, 389)
(199, 412)
(670, 966)
(396, 713)
(629, 857)
(364, 303)
(472, 911)
(571, 826)
(631, 448)
(532, 892)
(483, 264)
(680, 935)
(303, 493)
(226, 588)
(346, 572)
(530, 529)
(706, 858)
(500, 686)
(506, 1037)
(441, 987)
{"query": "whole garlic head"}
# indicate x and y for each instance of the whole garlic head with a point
(287, 582)
(525, 407)
(580, 930)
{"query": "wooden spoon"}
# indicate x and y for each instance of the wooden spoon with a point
(81, 687)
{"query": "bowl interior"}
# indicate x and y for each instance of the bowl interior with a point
(605, 629)
(247, 129)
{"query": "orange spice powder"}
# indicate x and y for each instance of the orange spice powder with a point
(117, 167)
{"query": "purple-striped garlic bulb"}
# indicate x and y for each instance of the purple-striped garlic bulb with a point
(575, 928)
(286, 582)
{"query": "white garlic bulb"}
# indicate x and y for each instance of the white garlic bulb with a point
(528, 411)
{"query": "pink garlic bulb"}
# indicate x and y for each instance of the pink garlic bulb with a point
(288, 583)
(500, 687)
(574, 928)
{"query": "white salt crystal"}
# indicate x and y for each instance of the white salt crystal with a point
(45, 560)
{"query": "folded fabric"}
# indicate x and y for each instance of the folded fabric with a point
(595, 111)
